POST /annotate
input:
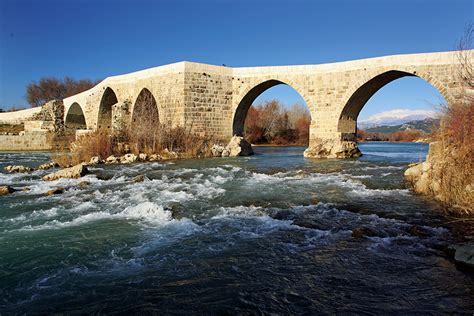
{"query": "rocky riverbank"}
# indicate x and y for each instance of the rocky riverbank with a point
(439, 177)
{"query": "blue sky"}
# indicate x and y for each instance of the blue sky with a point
(96, 39)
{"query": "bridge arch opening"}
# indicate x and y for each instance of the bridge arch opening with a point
(109, 99)
(380, 100)
(145, 131)
(273, 112)
(145, 110)
(75, 118)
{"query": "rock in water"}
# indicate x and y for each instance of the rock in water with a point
(55, 191)
(84, 184)
(6, 189)
(238, 146)
(95, 161)
(48, 165)
(112, 159)
(217, 150)
(139, 178)
(465, 255)
(18, 168)
(154, 157)
(73, 172)
(128, 158)
(333, 149)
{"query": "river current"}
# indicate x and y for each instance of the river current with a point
(270, 233)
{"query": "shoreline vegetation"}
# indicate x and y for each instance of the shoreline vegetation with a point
(448, 172)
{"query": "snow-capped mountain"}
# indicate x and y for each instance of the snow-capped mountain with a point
(395, 117)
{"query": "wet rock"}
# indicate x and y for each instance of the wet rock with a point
(418, 231)
(112, 159)
(225, 152)
(139, 178)
(83, 184)
(314, 200)
(360, 232)
(309, 223)
(55, 191)
(71, 173)
(154, 157)
(465, 254)
(128, 158)
(283, 215)
(48, 165)
(142, 157)
(238, 146)
(18, 169)
(6, 189)
(177, 210)
(25, 189)
(333, 149)
(217, 150)
(104, 177)
(95, 161)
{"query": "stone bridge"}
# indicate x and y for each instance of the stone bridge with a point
(214, 100)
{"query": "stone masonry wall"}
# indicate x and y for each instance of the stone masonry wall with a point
(39, 140)
(208, 98)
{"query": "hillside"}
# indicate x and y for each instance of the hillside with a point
(425, 125)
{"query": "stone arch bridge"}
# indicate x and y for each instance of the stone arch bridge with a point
(214, 99)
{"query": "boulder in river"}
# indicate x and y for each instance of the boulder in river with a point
(128, 158)
(139, 178)
(362, 231)
(217, 150)
(18, 169)
(465, 254)
(84, 184)
(55, 191)
(154, 157)
(6, 189)
(112, 159)
(238, 146)
(73, 172)
(95, 161)
(142, 157)
(48, 165)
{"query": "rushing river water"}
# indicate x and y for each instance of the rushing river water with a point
(271, 233)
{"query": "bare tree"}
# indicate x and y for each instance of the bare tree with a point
(48, 89)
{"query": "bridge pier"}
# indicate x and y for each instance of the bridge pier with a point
(337, 147)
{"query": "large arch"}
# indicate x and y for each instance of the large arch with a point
(363, 91)
(105, 109)
(145, 109)
(75, 118)
(240, 113)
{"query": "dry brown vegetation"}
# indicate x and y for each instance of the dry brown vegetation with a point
(456, 135)
(271, 123)
(144, 134)
(164, 140)
(400, 136)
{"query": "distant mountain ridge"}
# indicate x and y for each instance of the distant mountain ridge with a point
(395, 118)
(425, 125)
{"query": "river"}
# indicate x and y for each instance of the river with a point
(270, 233)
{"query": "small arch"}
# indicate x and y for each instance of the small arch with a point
(241, 111)
(359, 96)
(105, 109)
(145, 109)
(75, 118)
